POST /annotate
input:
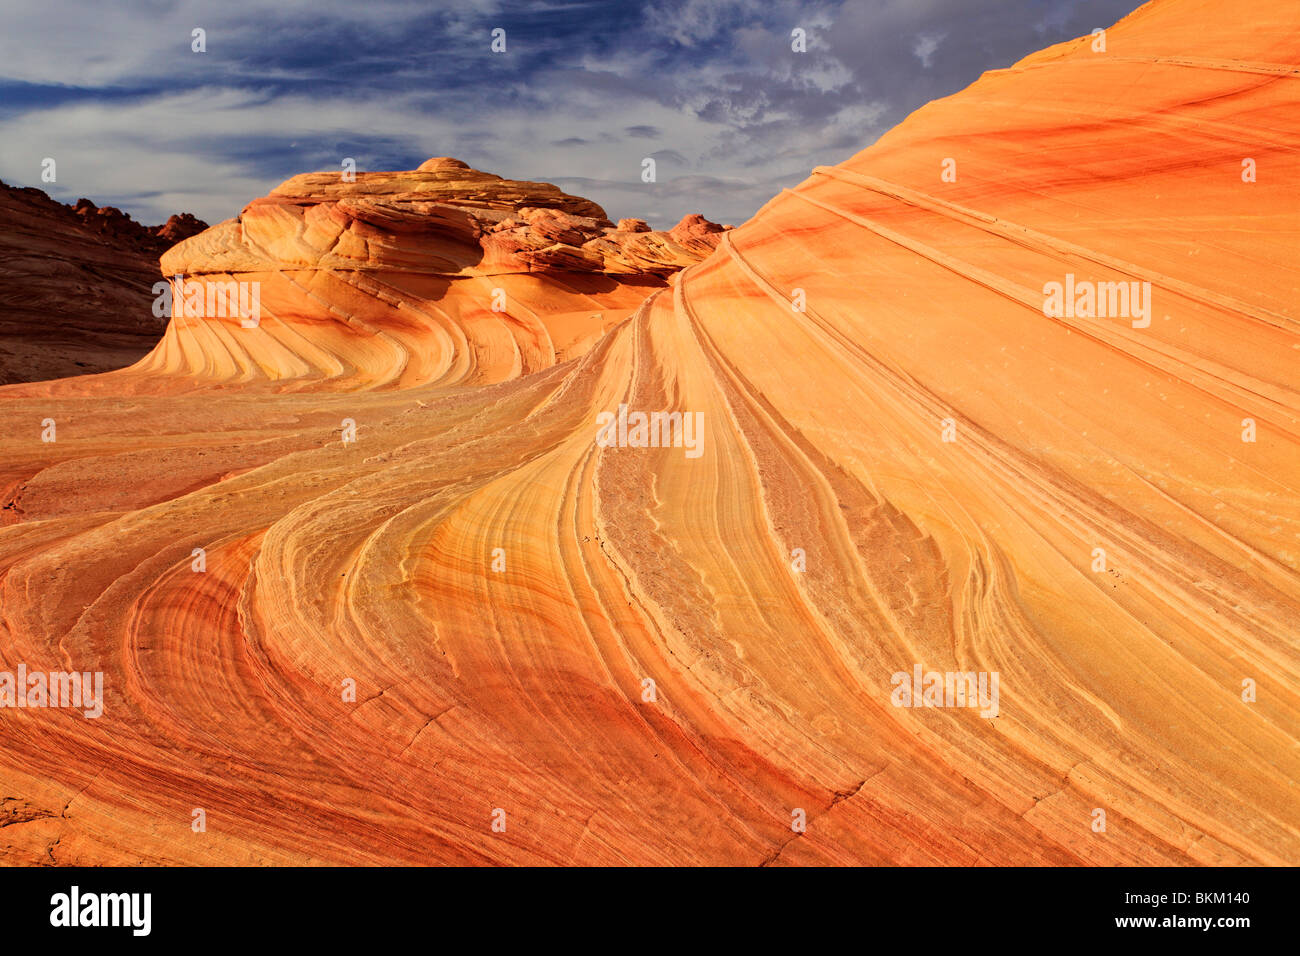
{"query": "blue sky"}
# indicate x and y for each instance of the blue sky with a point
(585, 90)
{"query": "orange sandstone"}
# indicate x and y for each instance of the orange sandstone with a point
(906, 461)
(438, 276)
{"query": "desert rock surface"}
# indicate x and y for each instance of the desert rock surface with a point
(76, 285)
(919, 466)
(442, 275)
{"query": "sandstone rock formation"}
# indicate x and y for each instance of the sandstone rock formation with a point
(638, 656)
(111, 222)
(440, 275)
(76, 285)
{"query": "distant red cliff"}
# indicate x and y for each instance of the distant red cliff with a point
(76, 285)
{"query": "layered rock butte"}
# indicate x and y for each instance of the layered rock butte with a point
(76, 285)
(438, 276)
(521, 689)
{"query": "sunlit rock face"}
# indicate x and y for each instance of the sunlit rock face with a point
(510, 623)
(441, 275)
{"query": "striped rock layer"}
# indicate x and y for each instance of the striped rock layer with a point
(904, 462)
(438, 276)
